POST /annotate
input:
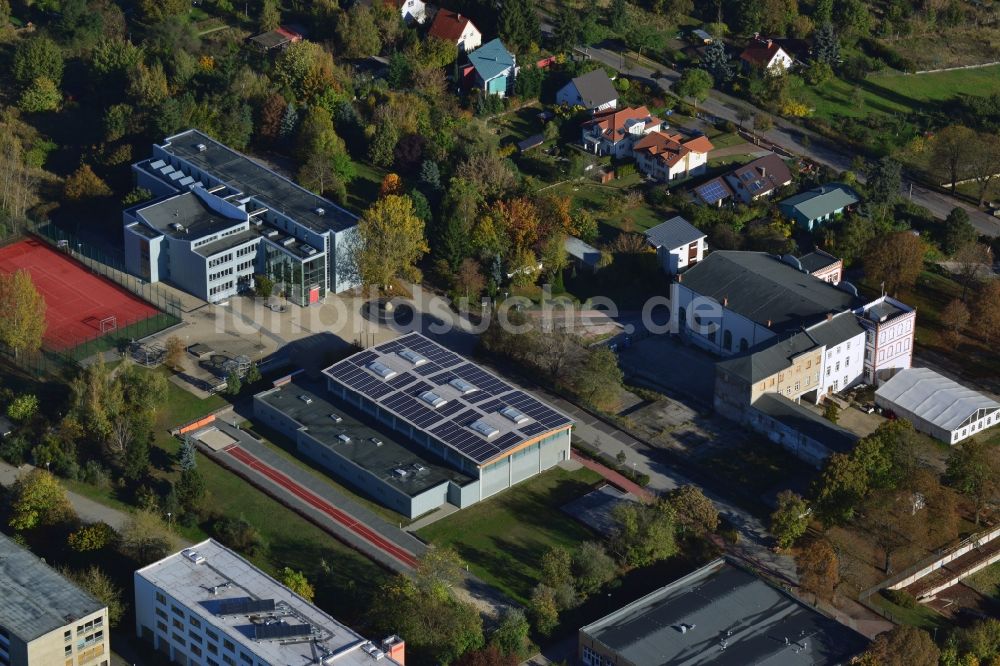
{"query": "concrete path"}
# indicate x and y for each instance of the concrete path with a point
(87, 509)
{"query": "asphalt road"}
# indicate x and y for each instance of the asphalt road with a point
(793, 138)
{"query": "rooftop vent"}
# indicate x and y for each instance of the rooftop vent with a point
(515, 415)
(433, 399)
(306, 399)
(375, 440)
(177, 226)
(462, 385)
(485, 429)
(382, 370)
(337, 418)
(193, 555)
(372, 651)
(345, 438)
(319, 211)
(413, 357)
(201, 147)
(400, 473)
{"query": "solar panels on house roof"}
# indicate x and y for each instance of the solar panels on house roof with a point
(468, 409)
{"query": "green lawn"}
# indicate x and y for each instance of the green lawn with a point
(600, 200)
(517, 125)
(364, 189)
(941, 86)
(504, 537)
(921, 616)
(986, 581)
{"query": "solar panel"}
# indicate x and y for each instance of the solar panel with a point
(481, 379)
(245, 606)
(280, 631)
(712, 191)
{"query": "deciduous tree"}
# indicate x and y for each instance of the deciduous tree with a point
(101, 587)
(598, 380)
(955, 317)
(904, 645)
(89, 538)
(37, 498)
(839, 488)
(974, 262)
(297, 582)
(544, 609)
(357, 32)
(818, 569)
(982, 162)
(694, 84)
(41, 95)
(85, 184)
(511, 635)
(956, 231)
(987, 310)
(694, 511)
(175, 353)
(790, 519)
(270, 15)
(645, 533)
(973, 468)
(895, 261)
(37, 57)
(950, 149)
(23, 323)
(519, 27)
(592, 567)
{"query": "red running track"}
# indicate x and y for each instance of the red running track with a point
(320, 504)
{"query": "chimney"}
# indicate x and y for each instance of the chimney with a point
(769, 323)
(763, 172)
(680, 278)
(769, 43)
(395, 647)
(829, 316)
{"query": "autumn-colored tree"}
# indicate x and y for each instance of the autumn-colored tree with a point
(983, 157)
(392, 184)
(987, 310)
(175, 353)
(297, 582)
(92, 537)
(973, 469)
(818, 568)
(85, 184)
(23, 323)
(904, 645)
(269, 118)
(391, 242)
(694, 511)
(955, 317)
(519, 218)
(470, 280)
(974, 261)
(895, 260)
(950, 150)
(892, 520)
(38, 499)
(544, 609)
(101, 587)
(491, 655)
(555, 215)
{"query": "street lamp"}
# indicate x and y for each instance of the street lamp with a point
(169, 523)
(46, 465)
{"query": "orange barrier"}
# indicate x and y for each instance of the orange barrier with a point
(196, 424)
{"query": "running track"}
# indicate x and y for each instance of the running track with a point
(322, 505)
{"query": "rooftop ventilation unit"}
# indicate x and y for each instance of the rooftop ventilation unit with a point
(372, 651)
(272, 233)
(319, 211)
(177, 226)
(382, 370)
(400, 473)
(194, 556)
(433, 399)
(462, 385)
(375, 440)
(485, 429)
(288, 241)
(310, 250)
(201, 147)
(417, 467)
(337, 418)
(413, 357)
(345, 438)
(306, 399)
(515, 415)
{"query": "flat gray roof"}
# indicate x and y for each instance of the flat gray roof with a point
(805, 421)
(396, 463)
(233, 578)
(34, 598)
(934, 398)
(816, 260)
(253, 179)
(189, 211)
(724, 615)
(766, 290)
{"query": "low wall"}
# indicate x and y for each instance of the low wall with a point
(958, 577)
(971, 542)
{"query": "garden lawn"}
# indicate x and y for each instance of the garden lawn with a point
(599, 200)
(503, 538)
(986, 581)
(364, 189)
(941, 86)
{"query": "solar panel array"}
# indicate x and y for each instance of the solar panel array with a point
(246, 606)
(277, 631)
(712, 191)
(450, 423)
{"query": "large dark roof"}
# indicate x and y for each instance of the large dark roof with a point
(806, 422)
(816, 260)
(595, 88)
(837, 330)
(766, 290)
(754, 366)
(722, 615)
(195, 218)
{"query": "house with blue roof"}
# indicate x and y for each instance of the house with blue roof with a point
(492, 69)
(813, 207)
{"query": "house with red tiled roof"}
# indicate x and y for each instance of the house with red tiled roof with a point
(668, 156)
(766, 54)
(615, 132)
(453, 27)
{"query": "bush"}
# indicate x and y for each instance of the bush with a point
(901, 598)
(92, 537)
(23, 407)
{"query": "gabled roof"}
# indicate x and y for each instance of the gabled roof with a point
(449, 25)
(766, 290)
(753, 366)
(837, 330)
(821, 201)
(934, 398)
(671, 148)
(614, 124)
(675, 232)
(761, 53)
(817, 260)
(491, 60)
(595, 88)
(763, 175)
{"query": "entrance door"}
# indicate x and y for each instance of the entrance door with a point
(314, 295)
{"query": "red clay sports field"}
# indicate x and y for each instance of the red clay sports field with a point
(80, 305)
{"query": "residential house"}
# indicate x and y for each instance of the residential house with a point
(665, 157)
(889, 329)
(714, 193)
(678, 244)
(937, 405)
(276, 39)
(823, 266)
(615, 132)
(454, 27)
(815, 206)
(46, 619)
(492, 69)
(767, 55)
(760, 178)
(593, 91)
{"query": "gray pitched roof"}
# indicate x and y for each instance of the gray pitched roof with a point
(762, 363)
(806, 422)
(595, 88)
(837, 329)
(766, 290)
(820, 201)
(816, 260)
(934, 398)
(34, 598)
(675, 232)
